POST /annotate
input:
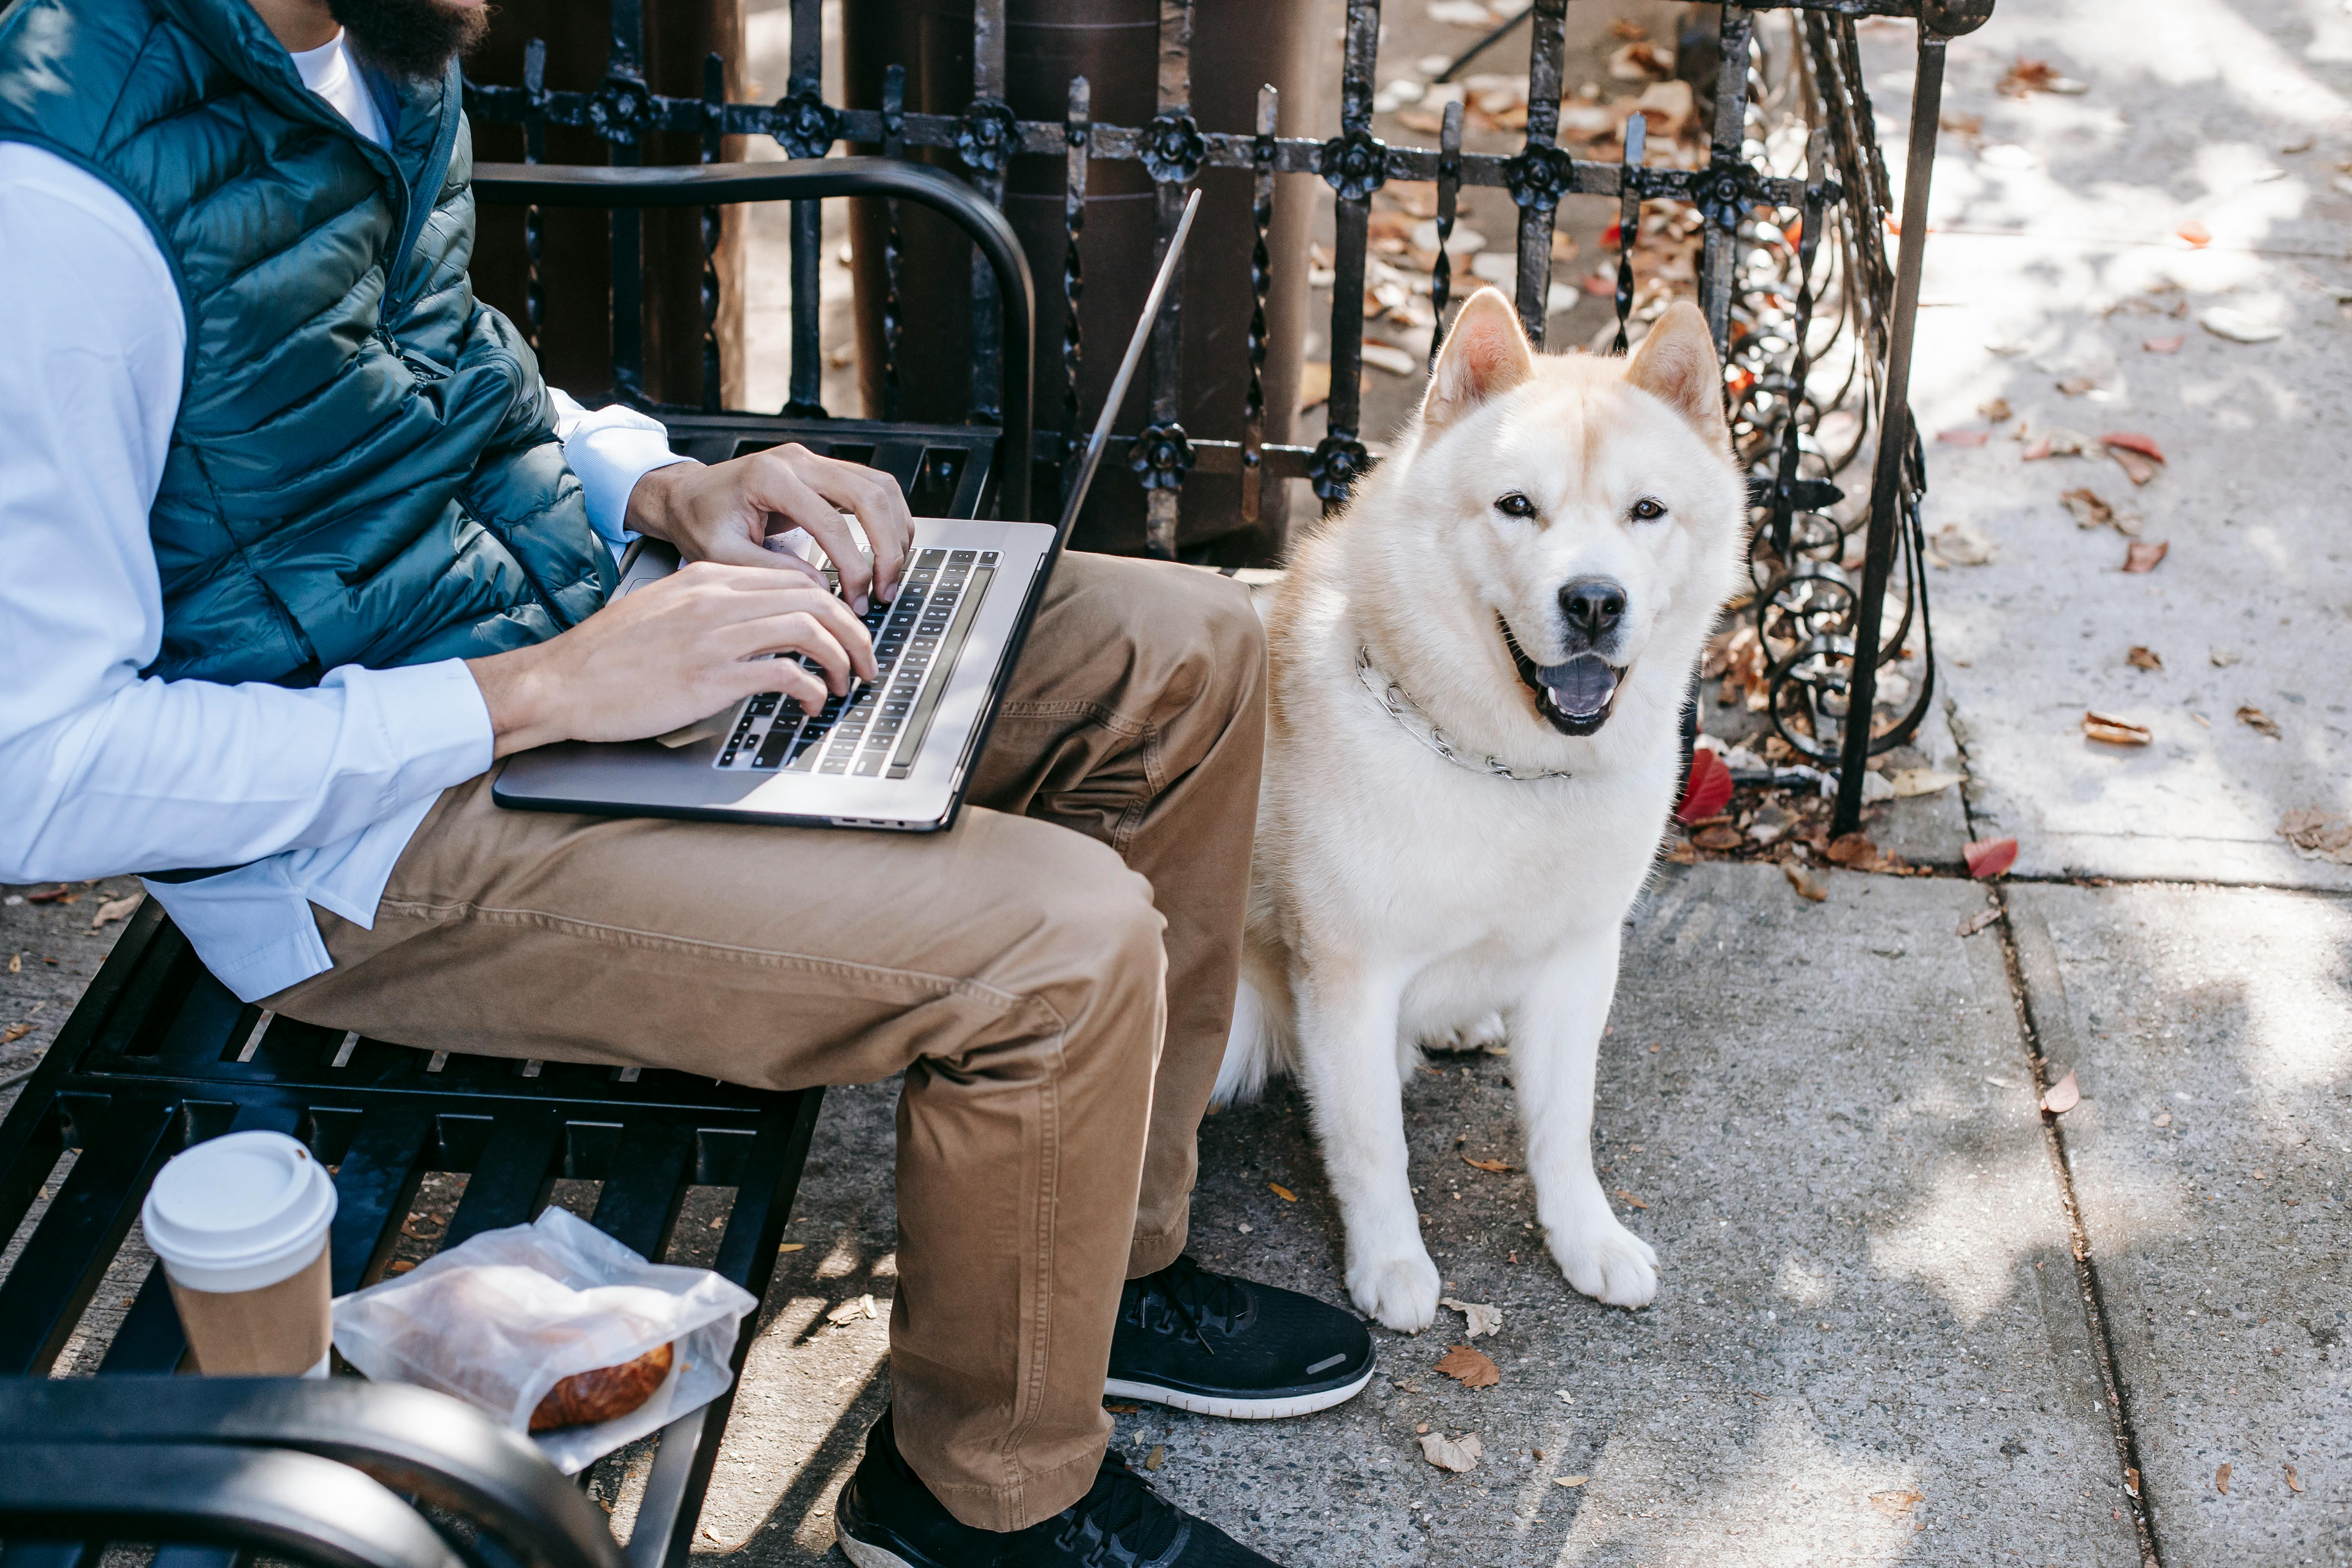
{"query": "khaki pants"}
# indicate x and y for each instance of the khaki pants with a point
(1021, 969)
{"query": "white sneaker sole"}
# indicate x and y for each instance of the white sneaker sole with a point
(1232, 1409)
(865, 1556)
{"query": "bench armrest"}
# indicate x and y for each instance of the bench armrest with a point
(411, 1441)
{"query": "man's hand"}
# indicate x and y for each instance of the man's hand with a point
(726, 511)
(672, 652)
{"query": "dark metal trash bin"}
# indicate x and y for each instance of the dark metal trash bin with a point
(1115, 44)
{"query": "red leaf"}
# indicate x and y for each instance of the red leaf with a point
(1613, 235)
(2144, 445)
(1709, 790)
(1990, 856)
(2142, 555)
(1964, 437)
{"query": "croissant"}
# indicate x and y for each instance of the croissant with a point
(606, 1394)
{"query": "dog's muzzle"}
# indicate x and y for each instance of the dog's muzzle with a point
(1573, 697)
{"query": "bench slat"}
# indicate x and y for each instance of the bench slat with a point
(373, 1186)
(69, 1252)
(510, 1177)
(640, 1200)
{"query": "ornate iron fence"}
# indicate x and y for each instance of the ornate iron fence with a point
(1781, 310)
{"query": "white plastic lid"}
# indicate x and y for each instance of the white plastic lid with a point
(239, 1212)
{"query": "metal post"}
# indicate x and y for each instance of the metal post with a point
(1262, 152)
(805, 400)
(1893, 432)
(1449, 199)
(1078, 129)
(1547, 53)
(987, 321)
(1166, 440)
(1719, 256)
(627, 281)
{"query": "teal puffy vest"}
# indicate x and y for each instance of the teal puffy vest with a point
(365, 468)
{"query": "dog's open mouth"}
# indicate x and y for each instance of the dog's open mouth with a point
(1573, 698)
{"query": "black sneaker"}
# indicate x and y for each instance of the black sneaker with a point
(1220, 1346)
(885, 1518)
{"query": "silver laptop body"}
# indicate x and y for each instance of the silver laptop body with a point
(895, 752)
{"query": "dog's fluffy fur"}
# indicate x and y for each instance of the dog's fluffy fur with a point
(1402, 900)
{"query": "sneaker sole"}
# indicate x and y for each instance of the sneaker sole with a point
(1268, 1409)
(866, 1556)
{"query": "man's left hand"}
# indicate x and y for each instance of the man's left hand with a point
(726, 511)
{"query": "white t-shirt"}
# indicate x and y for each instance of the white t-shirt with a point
(327, 70)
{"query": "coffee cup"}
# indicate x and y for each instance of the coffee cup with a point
(241, 1223)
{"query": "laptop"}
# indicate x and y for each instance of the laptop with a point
(894, 752)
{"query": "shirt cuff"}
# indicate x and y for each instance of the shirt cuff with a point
(432, 723)
(611, 449)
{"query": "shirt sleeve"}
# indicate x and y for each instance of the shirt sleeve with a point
(105, 770)
(611, 449)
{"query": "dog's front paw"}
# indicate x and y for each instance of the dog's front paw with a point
(1608, 1263)
(1480, 1034)
(1400, 1292)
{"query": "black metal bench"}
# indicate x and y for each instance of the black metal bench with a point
(158, 1054)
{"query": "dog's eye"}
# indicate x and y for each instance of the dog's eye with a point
(1516, 505)
(1648, 510)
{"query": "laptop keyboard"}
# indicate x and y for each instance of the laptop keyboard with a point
(877, 728)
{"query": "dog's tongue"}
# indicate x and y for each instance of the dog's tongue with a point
(1580, 688)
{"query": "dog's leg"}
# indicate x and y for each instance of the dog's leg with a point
(1555, 1045)
(1347, 1063)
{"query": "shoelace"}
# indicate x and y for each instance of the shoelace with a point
(1194, 1295)
(1121, 1521)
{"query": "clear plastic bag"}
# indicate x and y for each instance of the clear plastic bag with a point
(502, 1318)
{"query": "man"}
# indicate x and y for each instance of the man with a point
(294, 541)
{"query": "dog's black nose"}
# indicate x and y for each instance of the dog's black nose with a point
(1594, 607)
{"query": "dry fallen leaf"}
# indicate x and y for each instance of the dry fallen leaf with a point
(2055, 442)
(2221, 1480)
(2195, 233)
(1990, 857)
(1470, 1368)
(1895, 1505)
(1723, 836)
(2026, 78)
(1977, 923)
(2131, 1480)
(2114, 731)
(1483, 1317)
(1118, 1408)
(2318, 834)
(1632, 1199)
(2090, 511)
(1157, 1457)
(57, 895)
(1994, 412)
(15, 1032)
(2063, 1096)
(1570, 1481)
(1314, 383)
(2076, 386)
(2137, 455)
(1964, 437)
(1808, 884)
(2262, 723)
(1909, 781)
(1962, 545)
(1492, 1167)
(16, 963)
(2170, 344)
(2140, 657)
(849, 1311)
(2294, 1481)
(115, 910)
(794, 1246)
(1285, 1194)
(2145, 554)
(1460, 1456)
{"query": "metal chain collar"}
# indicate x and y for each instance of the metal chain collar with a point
(1412, 721)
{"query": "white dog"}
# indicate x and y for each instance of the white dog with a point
(1479, 670)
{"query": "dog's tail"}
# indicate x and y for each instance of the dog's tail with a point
(1253, 1048)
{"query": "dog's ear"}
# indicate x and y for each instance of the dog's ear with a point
(1485, 355)
(1676, 365)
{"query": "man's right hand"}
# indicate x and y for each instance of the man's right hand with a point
(671, 652)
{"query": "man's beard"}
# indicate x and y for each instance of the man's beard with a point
(411, 38)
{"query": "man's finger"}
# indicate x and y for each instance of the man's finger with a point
(801, 632)
(781, 491)
(783, 675)
(731, 548)
(880, 508)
